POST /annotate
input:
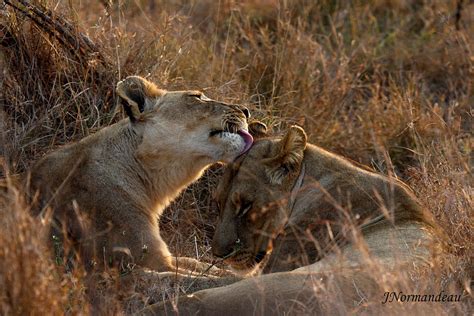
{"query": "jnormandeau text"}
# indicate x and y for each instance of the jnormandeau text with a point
(390, 297)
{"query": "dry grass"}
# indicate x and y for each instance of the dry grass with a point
(367, 79)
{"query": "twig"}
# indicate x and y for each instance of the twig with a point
(457, 15)
(61, 29)
(210, 267)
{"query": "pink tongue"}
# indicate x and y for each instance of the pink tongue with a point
(248, 139)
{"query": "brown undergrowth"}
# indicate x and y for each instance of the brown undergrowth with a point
(385, 83)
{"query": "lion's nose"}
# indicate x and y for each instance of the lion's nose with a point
(224, 251)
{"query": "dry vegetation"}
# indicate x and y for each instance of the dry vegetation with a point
(387, 83)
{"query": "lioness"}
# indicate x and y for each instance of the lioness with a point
(352, 235)
(108, 190)
(288, 204)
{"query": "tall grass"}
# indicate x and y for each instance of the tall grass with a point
(385, 83)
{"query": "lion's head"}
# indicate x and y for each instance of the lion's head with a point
(253, 196)
(184, 122)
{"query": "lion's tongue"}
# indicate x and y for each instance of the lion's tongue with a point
(248, 139)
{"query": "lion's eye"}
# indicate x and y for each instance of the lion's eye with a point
(244, 209)
(200, 96)
(215, 205)
(204, 98)
(197, 95)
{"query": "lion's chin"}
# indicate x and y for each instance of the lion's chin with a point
(229, 146)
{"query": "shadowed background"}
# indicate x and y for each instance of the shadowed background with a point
(385, 83)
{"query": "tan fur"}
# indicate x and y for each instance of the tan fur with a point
(108, 190)
(352, 235)
(288, 225)
(339, 292)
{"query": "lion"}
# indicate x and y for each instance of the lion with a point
(288, 204)
(321, 234)
(108, 190)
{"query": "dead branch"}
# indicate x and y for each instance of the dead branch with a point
(58, 27)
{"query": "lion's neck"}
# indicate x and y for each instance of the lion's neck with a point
(322, 202)
(169, 181)
(168, 172)
(152, 181)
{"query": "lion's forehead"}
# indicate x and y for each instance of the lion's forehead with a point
(247, 174)
(181, 105)
(252, 167)
(261, 149)
(247, 169)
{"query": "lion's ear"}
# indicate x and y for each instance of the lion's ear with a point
(258, 129)
(137, 95)
(290, 154)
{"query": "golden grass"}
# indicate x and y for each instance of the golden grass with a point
(385, 83)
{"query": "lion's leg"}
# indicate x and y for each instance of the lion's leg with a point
(283, 293)
(272, 294)
(144, 246)
(140, 245)
(199, 267)
(181, 283)
(155, 255)
(150, 251)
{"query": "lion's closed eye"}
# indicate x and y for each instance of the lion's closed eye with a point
(244, 208)
(199, 95)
